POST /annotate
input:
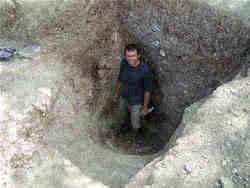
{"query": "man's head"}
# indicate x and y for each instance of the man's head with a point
(132, 55)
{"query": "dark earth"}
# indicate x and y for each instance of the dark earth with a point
(154, 134)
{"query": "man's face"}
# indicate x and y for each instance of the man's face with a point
(132, 58)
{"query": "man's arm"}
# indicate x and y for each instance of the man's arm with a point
(117, 90)
(148, 81)
(145, 103)
(146, 99)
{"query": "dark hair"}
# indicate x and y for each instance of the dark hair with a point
(131, 47)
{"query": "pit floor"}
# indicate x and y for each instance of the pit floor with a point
(154, 137)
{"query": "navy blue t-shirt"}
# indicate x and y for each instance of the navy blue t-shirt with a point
(135, 81)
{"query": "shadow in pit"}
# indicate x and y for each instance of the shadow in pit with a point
(157, 130)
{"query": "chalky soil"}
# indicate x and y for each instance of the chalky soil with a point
(45, 133)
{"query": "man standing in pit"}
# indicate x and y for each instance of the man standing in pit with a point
(135, 78)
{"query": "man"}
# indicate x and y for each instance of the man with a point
(135, 78)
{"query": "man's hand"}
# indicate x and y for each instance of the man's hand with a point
(114, 104)
(116, 99)
(117, 88)
(144, 111)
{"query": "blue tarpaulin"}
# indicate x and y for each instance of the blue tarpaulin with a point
(6, 53)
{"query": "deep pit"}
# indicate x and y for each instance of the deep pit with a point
(81, 48)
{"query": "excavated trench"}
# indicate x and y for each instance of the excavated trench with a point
(175, 84)
(89, 47)
(157, 127)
